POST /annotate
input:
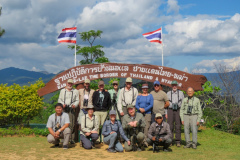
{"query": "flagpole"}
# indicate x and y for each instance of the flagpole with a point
(75, 55)
(162, 45)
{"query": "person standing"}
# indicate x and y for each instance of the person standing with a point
(58, 127)
(114, 93)
(127, 96)
(112, 129)
(144, 105)
(69, 98)
(175, 97)
(160, 101)
(190, 113)
(85, 97)
(89, 128)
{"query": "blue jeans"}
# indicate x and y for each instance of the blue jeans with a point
(113, 143)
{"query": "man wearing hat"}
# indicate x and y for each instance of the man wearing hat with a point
(144, 105)
(102, 102)
(160, 101)
(191, 114)
(133, 124)
(159, 133)
(69, 98)
(57, 125)
(114, 93)
(127, 96)
(112, 129)
(175, 97)
(89, 128)
(85, 97)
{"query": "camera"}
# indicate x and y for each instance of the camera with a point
(67, 108)
(85, 102)
(175, 106)
(57, 127)
(114, 97)
(100, 100)
(189, 110)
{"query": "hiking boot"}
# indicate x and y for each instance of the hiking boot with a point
(194, 146)
(111, 150)
(178, 145)
(65, 147)
(56, 145)
(139, 149)
(167, 150)
(72, 142)
(187, 146)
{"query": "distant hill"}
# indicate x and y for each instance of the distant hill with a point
(22, 77)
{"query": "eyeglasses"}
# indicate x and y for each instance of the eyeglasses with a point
(156, 85)
(159, 118)
(115, 84)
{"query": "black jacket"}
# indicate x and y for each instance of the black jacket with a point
(106, 101)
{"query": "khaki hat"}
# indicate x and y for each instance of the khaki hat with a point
(130, 106)
(115, 82)
(144, 85)
(70, 81)
(87, 81)
(158, 115)
(100, 82)
(90, 106)
(129, 79)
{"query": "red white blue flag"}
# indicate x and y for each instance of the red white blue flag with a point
(68, 35)
(154, 36)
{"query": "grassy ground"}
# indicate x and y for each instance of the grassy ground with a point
(212, 145)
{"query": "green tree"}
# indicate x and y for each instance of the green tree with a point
(90, 53)
(2, 31)
(19, 104)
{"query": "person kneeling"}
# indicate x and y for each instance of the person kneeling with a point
(58, 127)
(159, 134)
(89, 128)
(112, 129)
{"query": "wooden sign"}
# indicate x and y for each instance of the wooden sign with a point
(164, 75)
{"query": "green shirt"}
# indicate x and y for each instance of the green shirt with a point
(195, 103)
(159, 99)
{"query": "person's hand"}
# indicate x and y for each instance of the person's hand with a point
(183, 122)
(135, 123)
(142, 110)
(122, 114)
(73, 106)
(154, 138)
(129, 143)
(94, 132)
(88, 134)
(166, 116)
(56, 134)
(64, 105)
(131, 124)
(112, 132)
(160, 139)
(197, 123)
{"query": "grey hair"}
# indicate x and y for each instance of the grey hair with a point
(189, 88)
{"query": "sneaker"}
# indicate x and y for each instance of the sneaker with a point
(65, 147)
(194, 146)
(56, 145)
(111, 150)
(187, 146)
(178, 145)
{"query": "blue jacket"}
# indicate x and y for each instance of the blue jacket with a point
(145, 102)
(108, 127)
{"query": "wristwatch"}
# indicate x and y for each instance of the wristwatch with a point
(59, 131)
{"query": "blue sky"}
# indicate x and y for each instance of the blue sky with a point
(197, 35)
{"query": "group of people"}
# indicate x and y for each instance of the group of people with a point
(125, 116)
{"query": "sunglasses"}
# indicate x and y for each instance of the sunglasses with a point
(156, 85)
(159, 118)
(115, 84)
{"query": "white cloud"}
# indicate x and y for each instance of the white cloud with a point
(173, 6)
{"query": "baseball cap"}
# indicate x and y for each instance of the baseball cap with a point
(87, 81)
(100, 82)
(156, 82)
(70, 81)
(112, 112)
(129, 79)
(158, 115)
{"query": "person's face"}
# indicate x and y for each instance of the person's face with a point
(69, 85)
(174, 87)
(128, 84)
(90, 111)
(145, 90)
(86, 85)
(112, 117)
(101, 86)
(156, 87)
(190, 92)
(58, 109)
(159, 120)
(115, 86)
(131, 111)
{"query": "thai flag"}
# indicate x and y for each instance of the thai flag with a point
(68, 35)
(154, 36)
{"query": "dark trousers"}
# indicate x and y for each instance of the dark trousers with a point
(71, 114)
(87, 144)
(165, 143)
(174, 122)
(153, 118)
